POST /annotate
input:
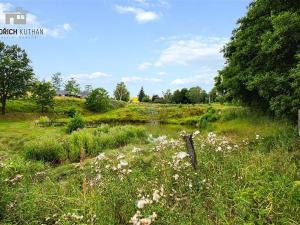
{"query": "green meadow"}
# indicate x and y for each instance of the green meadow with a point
(131, 166)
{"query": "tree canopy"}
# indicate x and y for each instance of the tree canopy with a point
(43, 93)
(262, 67)
(16, 74)
(98, 100)
(121, 92)
(72, 87)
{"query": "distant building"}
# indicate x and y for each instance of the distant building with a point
(63, 93)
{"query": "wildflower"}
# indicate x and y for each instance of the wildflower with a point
(182, 155)
(120, 156)
(101, 156)
(196, 133)
(142, 202)
(156, 196)
(257, 136)
(136, 150)
(176, 176)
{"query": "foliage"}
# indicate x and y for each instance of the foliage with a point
(57, 81)
(72, 87)
(98, 100)
(91, 143)
(121, 92)
(141, 94)
(77, 122)
(44, 121)
(47, 150)
(211, 115)
(262, 59)
(167, 96)
(146, 98)
(196, 95)
(43, 94)
(71, 112)
(16, 74)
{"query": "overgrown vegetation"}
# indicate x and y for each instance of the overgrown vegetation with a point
(241, 178)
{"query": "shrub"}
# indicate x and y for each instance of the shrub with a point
(210, 116)
(105, 137)
(75, 123)
(47, 150)
(231, 114)
(81, 140)
(71, 112)
(44, 121)
(98, 100)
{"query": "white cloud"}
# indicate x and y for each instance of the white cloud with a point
(59, 31)
(205, 76)
(141, 15)
(162, 73)
(135, 79)
(190, 51)
(30, 18)
(89, 76)
(144, 66)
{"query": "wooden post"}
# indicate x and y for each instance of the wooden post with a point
(299, 121)
(188, 138)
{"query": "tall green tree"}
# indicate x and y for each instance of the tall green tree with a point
(43, 93)
(141, 95)
(16, 74)
(167, 96)
(72, 87)
(57, 81)
(98, 100)
(121, 92)
(262, 57)
(196, 95)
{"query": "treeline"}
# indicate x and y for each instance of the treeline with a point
(194, 95)
(263, 58)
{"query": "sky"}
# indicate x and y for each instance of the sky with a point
(157, 44)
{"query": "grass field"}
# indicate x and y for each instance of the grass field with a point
(136, 171)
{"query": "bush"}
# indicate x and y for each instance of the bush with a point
(46, 150)
(210, 116)
(92, 142)
(231, 114)
(98, 100)
(75, 123)
(44, 121)
(71, 112)
(81, 140)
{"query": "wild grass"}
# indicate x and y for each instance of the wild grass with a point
(247, 173)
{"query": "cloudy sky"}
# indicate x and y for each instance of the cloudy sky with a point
(158, 44)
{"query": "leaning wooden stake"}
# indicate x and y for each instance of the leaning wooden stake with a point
(299, 121)
(188, 138)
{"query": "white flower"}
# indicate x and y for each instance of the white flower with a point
(181, 155)
(196, 133)
(101, 156)
(121, 156)
(156, 196)
(141, 203)
(257, 136)
(176, 176)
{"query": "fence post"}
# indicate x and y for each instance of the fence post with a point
(299, 121)
(188, 138)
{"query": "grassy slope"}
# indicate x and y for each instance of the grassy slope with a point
(254, 184)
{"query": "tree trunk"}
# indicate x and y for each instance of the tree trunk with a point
(3, 102)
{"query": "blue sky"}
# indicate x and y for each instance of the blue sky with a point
(158, 44)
